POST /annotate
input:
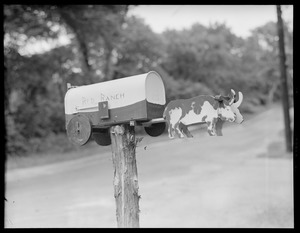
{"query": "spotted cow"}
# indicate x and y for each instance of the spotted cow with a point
(202, 109)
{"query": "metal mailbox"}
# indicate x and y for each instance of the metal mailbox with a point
(91, 109)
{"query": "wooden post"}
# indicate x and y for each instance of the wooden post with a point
(284, 86)
(125, 175)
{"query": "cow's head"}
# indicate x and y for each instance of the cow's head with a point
(234, 107)
(225, 110)
(228, 107)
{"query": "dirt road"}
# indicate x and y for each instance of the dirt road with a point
(243, 179)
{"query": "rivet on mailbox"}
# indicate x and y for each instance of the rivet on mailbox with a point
(140, 98)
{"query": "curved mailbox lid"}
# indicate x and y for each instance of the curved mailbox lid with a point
(118, 93)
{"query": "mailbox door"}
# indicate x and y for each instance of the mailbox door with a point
(79, 130)
(154, 111)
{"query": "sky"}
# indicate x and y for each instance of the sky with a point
(240, 18)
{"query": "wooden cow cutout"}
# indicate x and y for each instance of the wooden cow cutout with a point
(212, 110)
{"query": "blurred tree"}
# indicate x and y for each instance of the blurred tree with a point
(262, 50)
(98, 29)
(181, 88)
(139, 50)
(210, 56)
(35, 84)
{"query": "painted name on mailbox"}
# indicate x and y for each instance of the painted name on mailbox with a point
(87, 101)
(111, 97)
(91, 101)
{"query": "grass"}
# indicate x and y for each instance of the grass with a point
(92, 148)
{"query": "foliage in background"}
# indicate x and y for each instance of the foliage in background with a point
(102, 43)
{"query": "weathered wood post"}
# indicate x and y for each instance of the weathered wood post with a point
(125, 175)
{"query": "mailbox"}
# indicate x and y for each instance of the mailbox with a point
(91, 109)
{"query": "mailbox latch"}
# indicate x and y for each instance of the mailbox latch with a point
(103, 110)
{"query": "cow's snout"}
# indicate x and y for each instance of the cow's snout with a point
(239, 120)
(232, 119)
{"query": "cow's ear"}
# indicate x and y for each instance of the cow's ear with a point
(218, 98)
(225, 98)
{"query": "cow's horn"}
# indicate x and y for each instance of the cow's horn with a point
(238, 103)
(233, 97)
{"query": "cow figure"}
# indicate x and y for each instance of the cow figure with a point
(201, 109)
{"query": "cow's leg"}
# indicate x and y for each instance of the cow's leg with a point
(211, 127)
(171, 131)
(219, 126)
(170, 124)
(184, 129)
(178, 131)
(174, 117)
(170, 128)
